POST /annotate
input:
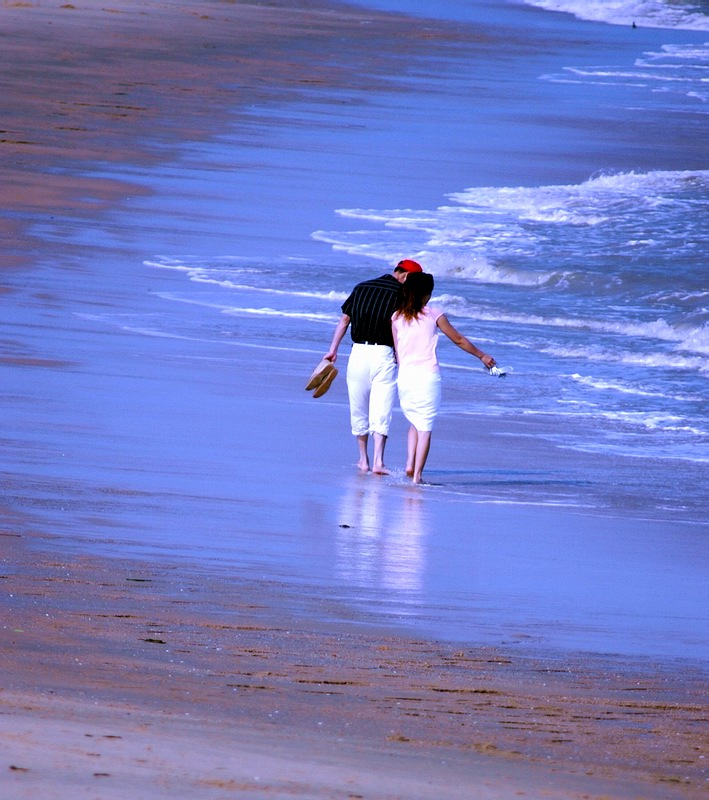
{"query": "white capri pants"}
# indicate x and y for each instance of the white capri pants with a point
(420, 397)
(371, 385)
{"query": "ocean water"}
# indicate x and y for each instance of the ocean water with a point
(598, 290)
(549, 167)
(650, 13)
(586, 277)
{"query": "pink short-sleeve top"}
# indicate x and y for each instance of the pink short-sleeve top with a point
(417, 340)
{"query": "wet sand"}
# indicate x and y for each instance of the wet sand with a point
(119, 673)
(159, 673)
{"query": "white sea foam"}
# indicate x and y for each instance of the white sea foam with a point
(278, 312)
(588, 203)
(448, 251)
(199, 264)
(210, 274)
(679, 296)
(687, 52)
(555, 204)
(634, 359)
(482, 271)
(630, 450)
(646, 13)
(226, 283)
(690, 339)
(603, 385)
(489, 232)
(680, 69)
(225, 308)
(654, 421)
(648, 420)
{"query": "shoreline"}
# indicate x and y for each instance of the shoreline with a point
(131, 476)
(87, 85)
(165, 675)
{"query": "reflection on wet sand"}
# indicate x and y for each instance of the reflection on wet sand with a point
(380, 541)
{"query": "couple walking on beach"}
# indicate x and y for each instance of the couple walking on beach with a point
(392, 323)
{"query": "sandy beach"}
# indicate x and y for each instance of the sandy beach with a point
(149, 646)
(126, 676)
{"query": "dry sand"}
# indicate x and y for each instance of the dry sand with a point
(126, 678)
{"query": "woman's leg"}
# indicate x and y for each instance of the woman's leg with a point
(411, 451)
(423, 445)
(420, 398)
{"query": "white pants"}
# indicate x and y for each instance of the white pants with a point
(371, 385)
(420, 397)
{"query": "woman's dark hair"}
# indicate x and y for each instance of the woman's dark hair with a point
(415, 292)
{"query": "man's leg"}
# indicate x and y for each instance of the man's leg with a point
(381, 406)
(363, 461)
(380, 442)
(358, 390)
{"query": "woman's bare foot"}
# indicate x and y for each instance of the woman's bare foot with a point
(380, 470)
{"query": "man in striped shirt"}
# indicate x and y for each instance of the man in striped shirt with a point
(371, 369)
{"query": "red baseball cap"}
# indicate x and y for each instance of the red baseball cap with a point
(409, 266)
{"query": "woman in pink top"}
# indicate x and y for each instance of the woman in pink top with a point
(415, 327)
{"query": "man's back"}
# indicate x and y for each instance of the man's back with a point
(370, 307)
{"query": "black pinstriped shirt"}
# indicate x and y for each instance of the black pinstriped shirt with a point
(370, 307)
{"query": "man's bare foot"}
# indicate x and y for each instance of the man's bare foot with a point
(363, 466)
(380, 470)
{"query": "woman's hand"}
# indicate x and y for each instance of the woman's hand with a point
(487, 360)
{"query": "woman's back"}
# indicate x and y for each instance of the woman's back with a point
(417, 340)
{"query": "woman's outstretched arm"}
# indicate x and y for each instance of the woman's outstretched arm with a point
(464, 343)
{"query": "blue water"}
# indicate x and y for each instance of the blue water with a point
(562, 205)
(552, 174)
